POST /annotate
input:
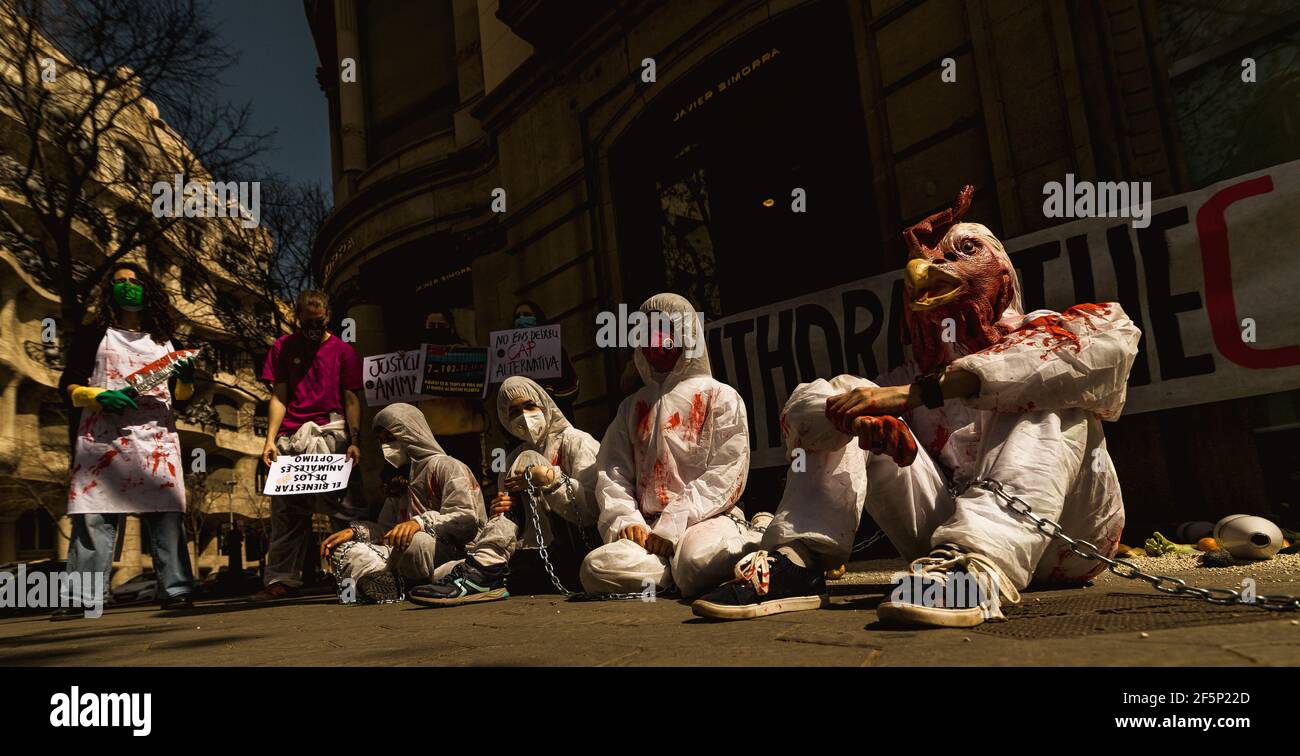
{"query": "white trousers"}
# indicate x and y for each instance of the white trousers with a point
(425, 560)
(704, 559)
(1050, 459)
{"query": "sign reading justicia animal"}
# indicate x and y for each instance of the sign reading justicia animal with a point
(393, 377)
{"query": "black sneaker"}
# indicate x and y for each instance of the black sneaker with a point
(381, 587)
(951, 587)
(181, 602)
(766, 583)
(468, 582)
(68, 613)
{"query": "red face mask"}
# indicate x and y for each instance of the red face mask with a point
(662, 354)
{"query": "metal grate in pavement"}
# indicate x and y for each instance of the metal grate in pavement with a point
(1073, 616)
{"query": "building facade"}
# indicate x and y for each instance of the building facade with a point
(643, 146)
(226, 419)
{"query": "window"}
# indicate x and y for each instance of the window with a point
(194, 238)
(261, 418)
(703, 181)
(35, 532)
(156, 260)
(225, 358)
(1229, 126)
(229, 311)
(189, 281)
(231, 255)
(227, 414)
(133, 166)
(409, 50)
(52, 418)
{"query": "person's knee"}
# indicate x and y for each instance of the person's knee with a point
(614, 567)
(595, 568)
(419, 557)
(354, 560)
(701, 563)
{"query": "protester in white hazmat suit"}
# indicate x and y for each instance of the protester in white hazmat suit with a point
(425, 535)
(672, 466)
(560, 458)
(1012, 397)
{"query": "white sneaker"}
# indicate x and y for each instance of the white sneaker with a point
(952, 587)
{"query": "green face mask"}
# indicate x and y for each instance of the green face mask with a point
(129, 296)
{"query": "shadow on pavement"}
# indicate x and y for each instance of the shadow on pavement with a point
(89, 630)
(242, 605)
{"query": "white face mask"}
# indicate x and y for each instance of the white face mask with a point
(395, 455)
(529, 426)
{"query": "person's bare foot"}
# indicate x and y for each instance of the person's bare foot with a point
(273, 592)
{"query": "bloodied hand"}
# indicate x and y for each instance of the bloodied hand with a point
(635, 533)
(843, 409)
(659, 546)
(888, 436)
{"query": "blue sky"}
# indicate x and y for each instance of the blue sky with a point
(276, 71)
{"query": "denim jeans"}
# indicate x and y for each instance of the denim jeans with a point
(94, 536)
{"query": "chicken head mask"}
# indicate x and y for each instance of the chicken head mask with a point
(956, 271)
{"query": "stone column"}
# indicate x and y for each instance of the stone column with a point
(371, 339)
(62, 536)
(9, 438)
(352, 101)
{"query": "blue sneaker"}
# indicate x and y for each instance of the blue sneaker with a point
(467, 583)
(766, 583)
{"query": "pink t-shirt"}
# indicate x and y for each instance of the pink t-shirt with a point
(316, 377)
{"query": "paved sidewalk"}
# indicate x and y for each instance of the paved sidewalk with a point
(546, 630)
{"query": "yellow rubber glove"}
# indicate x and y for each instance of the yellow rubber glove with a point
(84, 397)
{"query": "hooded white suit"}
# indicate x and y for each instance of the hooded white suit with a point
(1035, 426)
(560, 445)
(443, 496)
(674, 460)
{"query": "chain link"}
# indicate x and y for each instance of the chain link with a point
(1129, 570)
(530, 495)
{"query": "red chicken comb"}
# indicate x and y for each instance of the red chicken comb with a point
(926, 235)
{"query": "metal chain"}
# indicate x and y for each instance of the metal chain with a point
(530, 494)
(1127, 569)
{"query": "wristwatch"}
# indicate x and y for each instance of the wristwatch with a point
(931, 391)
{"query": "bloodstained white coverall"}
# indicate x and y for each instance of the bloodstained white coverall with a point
(674, 460)
(570, 450)
(1035, 425)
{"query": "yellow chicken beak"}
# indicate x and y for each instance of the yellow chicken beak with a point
(928, 286)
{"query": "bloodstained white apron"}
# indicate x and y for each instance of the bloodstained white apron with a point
(130, 461)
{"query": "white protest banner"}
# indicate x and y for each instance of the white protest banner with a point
(534, 352)
(394, 377)
(307, 473)
(1209, 281)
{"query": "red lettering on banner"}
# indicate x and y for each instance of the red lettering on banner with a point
(1220, 303)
